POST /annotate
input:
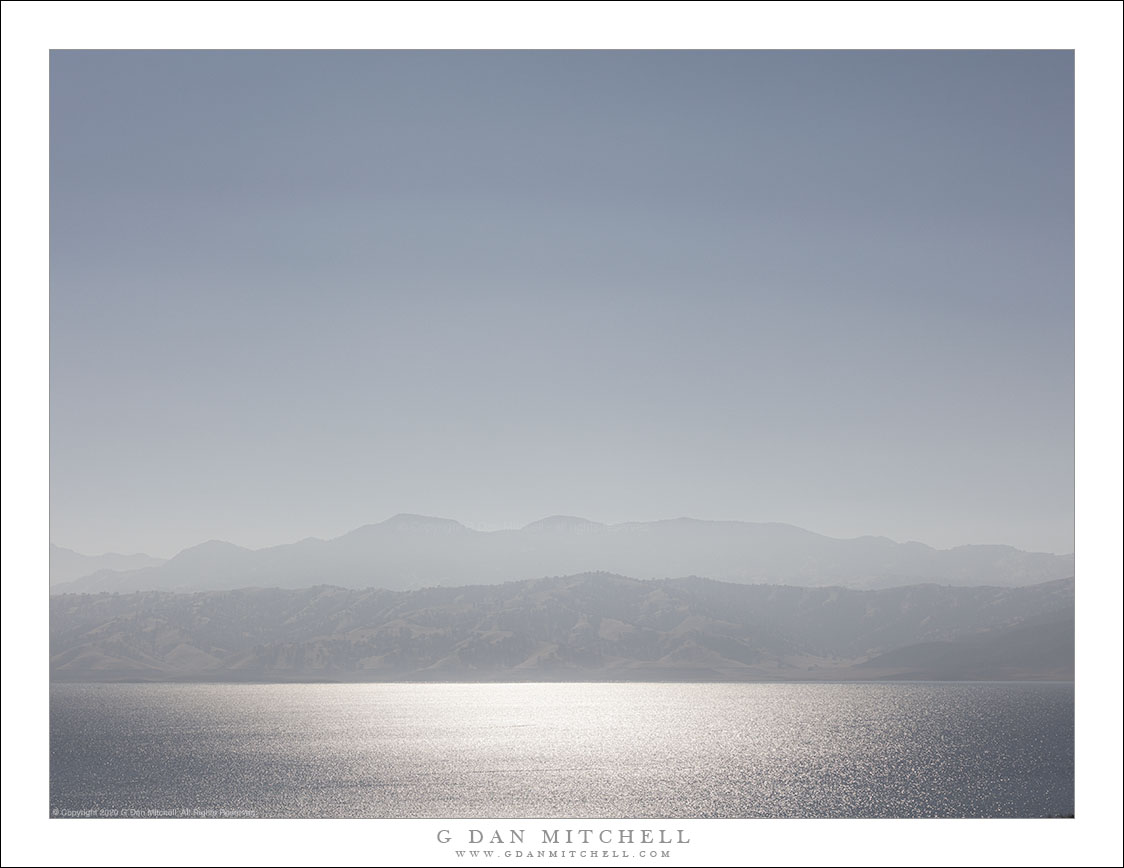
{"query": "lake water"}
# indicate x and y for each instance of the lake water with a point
(562, 750)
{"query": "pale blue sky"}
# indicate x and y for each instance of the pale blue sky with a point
(296, 292)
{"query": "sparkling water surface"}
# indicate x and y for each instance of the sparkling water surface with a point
(563, 750)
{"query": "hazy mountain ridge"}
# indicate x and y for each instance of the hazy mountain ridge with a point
(67, 565)
(408, 552)
(578, 627)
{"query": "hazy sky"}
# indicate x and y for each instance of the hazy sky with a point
(297, 292)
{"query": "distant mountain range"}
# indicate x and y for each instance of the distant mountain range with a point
(67, 565)
(585, 627)
(409, 551)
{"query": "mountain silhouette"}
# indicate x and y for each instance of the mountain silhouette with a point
(67, 564)
(411, 551)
